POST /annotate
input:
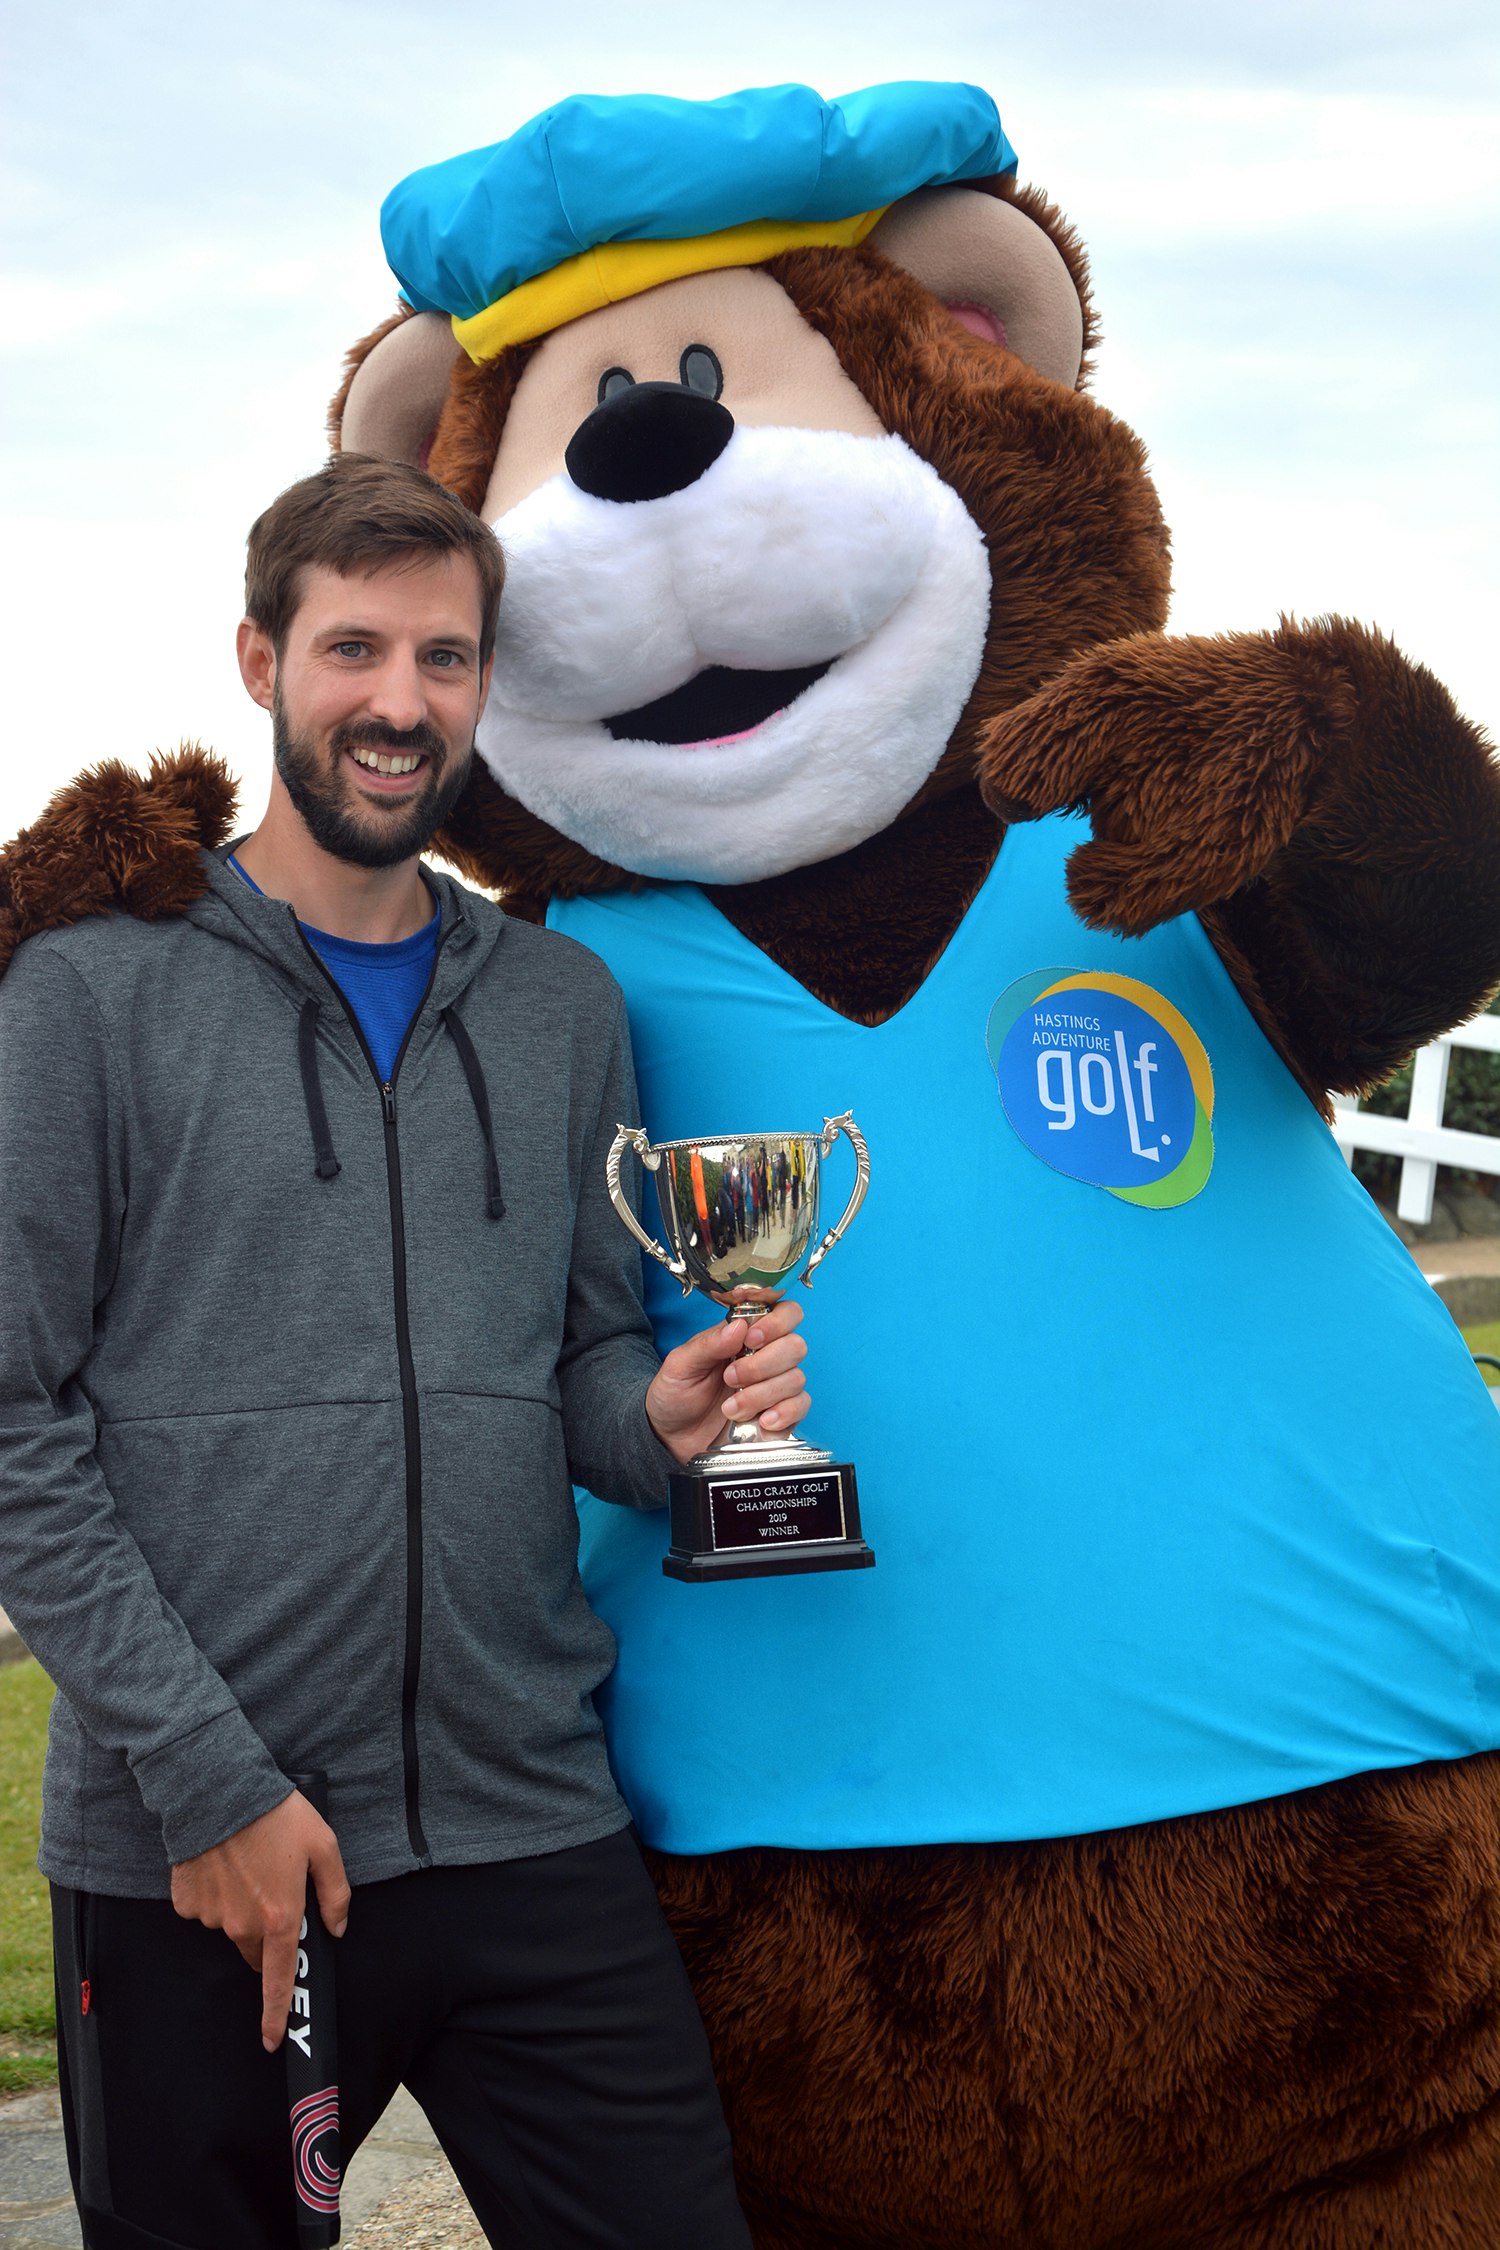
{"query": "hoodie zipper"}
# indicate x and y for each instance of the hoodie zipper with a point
(411, 1668)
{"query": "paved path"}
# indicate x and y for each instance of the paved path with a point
(429, 2213)
(399, 2180)
(1465, 1274)
(1470, 1254)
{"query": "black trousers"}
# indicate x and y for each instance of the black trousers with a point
(536, 2008)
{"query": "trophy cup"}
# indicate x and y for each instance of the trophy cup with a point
(740, 1211)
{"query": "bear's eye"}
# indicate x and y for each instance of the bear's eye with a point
(613, 381)
(700, 370)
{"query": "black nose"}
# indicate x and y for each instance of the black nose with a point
(647, 440)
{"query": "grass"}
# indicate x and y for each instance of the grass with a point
(26, 2010)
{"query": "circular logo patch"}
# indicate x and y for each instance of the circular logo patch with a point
(1105, 1080)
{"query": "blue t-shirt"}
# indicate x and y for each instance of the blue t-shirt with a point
(383, 984)
(1183, 1494)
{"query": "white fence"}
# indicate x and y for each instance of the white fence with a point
(1421, 1138)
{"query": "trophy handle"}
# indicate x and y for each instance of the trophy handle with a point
(634, 1136)
(832, 1127)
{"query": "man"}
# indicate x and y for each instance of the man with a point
(313, 1307)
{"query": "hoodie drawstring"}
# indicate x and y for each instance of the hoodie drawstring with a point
(317, 1113)
(479, 1094)
(312, 1091)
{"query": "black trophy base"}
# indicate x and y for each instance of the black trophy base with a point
(840, 1554)
(764, 1523)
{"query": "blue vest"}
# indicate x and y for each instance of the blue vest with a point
(1173, 1507)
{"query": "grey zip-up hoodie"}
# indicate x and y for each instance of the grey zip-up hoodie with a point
(296, 1373)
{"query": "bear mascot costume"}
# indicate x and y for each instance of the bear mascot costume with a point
(1116, 1865)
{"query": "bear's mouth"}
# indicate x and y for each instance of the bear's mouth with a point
(715, 706)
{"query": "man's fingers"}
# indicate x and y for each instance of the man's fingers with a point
(698, 1355)
(777, 1320)
(747, 1398)
(767, 1379)
(777, 1358)
(278, 1973)
(782, 1417)
(757, 1398)
(332, 1885)
(727, 1339)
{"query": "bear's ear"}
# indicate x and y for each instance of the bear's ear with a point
(395, 389)
(996, 269)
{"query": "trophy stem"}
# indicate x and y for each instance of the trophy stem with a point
(746, 1443)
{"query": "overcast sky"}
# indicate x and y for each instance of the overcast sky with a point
(1292, 211)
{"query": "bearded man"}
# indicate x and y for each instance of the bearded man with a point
(314, 1309)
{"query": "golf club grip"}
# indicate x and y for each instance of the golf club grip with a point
(312, 2064)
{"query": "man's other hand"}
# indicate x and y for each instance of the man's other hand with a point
(253, 1887)
(730, 1373)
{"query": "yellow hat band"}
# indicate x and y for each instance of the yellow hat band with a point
(613, 271)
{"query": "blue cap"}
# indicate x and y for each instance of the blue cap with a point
(608, 168)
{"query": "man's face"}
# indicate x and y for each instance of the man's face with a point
(374, 701)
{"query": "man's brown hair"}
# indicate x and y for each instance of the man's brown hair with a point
(361, 514)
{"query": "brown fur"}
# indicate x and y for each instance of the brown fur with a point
(1058, 486)
(111, 842)
(489, 836)
(1275, 2025)
(1311, 793)
(902, 894)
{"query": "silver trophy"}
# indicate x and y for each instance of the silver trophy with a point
(740, 1213)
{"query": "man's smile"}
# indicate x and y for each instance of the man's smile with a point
(390, 773)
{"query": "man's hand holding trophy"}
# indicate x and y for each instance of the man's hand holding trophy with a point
(740, 1213)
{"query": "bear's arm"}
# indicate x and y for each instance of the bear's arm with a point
(114, 841)
(1314, 797)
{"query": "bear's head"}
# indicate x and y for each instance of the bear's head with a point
(792, 508)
